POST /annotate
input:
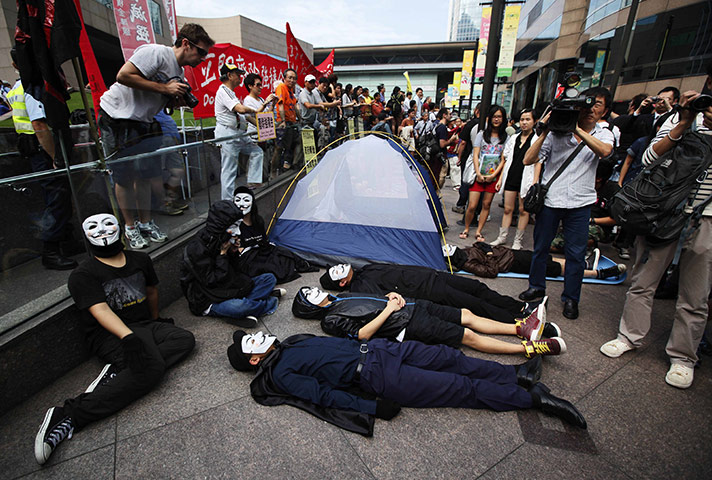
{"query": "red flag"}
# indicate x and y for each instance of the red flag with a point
(298, 60)
(133, 24)
(96, 81)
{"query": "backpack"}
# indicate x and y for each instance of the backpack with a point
(430, 147)
(653, 204)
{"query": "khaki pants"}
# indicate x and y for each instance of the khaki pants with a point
(691, 309)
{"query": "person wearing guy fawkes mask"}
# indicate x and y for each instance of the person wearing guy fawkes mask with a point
(365, 316)
(257, 254)
(348, 382)
(210, 275)
(116, 292)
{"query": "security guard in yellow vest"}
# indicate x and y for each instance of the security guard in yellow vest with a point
(36, 144)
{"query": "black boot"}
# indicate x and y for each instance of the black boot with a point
(53, 259)
(555, 406)
(529, 373)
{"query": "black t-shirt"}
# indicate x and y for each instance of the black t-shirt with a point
(516, 169)
(250, 235)
(602, 207)
(441, 132)
(123, 289)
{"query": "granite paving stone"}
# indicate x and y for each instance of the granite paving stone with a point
(96, 465)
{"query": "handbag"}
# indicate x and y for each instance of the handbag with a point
(534, 200)
(468, 174)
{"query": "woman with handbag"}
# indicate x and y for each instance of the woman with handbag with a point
(517, 178)
(487, 161)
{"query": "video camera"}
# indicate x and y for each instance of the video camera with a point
(566, 106)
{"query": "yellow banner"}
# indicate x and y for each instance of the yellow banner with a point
(509, 40)
(309, 148)
(456, 78)
(407, 79)
(468, 58)
(482, 44)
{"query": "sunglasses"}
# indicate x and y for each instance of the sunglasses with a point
(201, 51)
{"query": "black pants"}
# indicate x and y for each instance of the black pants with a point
(164, 345)
(477, 297)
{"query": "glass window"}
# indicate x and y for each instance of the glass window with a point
(156, 20)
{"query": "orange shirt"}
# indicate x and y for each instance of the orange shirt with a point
(286, 98)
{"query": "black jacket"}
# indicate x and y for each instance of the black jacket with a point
(351, 311)
(265, 392)
(408, 280)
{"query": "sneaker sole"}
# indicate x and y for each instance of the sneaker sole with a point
(96, 381)
(681, 386)
(41, 455)
(542, 309)
(562, 345)
(247, 322)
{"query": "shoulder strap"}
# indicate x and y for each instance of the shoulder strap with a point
(566, 163)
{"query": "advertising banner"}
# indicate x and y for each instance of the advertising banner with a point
(205, 78)
(133, 24)
(170, 9)
(598, 68)
(509, 40)
(484, 39)
(468, 58)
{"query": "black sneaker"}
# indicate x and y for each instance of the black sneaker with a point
(249, 321)
(107, 373)
(624, 253)
(551, 330)
(278, 292)
(614, 271)
(56, 427)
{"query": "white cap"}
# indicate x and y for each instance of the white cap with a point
(309, 78)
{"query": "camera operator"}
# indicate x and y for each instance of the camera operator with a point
(569, 198)
(144, 86)
(695, 261)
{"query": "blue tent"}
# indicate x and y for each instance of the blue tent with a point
(364, 202)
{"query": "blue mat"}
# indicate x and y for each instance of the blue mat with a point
(603, 262)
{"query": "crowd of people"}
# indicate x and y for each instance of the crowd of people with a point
(398, 327)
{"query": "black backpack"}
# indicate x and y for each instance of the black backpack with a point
(654, 203)
(430, 147)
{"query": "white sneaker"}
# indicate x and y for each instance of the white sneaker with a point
(136, 240)
(680, 376)
(615, 348)
(152, 231)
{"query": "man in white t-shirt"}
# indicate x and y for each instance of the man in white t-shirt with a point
(149, 81)
(253, 85)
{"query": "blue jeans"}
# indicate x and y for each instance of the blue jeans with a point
(575, 227)
(257, 303)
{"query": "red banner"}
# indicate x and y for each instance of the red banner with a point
(170, 8)
(298, 60)
(96, 81)
(205, 78)
(133, 22)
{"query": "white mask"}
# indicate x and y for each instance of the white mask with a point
(449, 250)
(314, 295)
(256, 343)
(243, 202)
(340, 271)
(101, 229)
(234, 231)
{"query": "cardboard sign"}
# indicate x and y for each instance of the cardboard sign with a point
(309, 149)
(265, 126)
(351, 125)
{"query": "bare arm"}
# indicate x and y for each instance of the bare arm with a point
(599, 147)
(44, 136)
(131, 76)
(109, 320)
(532, 155)
(624, 169)
(152, 299)
(370, 329)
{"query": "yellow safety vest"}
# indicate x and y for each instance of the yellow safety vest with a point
(20, 117)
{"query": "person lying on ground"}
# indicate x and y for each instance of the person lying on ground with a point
(365, 316)
(488, 261)
(348, 382)
(210, 278)
(428, 284)
(116, 293)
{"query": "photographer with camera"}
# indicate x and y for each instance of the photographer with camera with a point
(151, 80)
(568, 199)
(694, 115)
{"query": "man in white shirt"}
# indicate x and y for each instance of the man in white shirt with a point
(148, 82)
(253, 84)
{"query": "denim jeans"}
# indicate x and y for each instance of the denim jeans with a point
(575, 228)
(257, 303)
(230, 155)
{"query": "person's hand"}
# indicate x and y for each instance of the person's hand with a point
(271, 97)
(397, 296)
(225, 247)
(665, 102)
(707, 121)
(686, 114)
(394, 304)
(479, 178)
(644, 104)
(498, 185)
(281, 125)
(134, 353)
(386, 409)
(174, 88)
(545, 119)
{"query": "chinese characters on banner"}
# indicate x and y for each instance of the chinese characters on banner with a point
(509, 40)
(484, 39)
(309, 149)
(170, 9)
(466, 75)
(205, 78)
(133, 24)
(298, 60)
(265, 126)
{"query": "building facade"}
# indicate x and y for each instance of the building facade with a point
(671, 43)
(464, 18)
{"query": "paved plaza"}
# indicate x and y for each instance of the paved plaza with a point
(202, 423)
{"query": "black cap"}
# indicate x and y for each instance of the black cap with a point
(303, 308)
(239, 360)
(327, 282)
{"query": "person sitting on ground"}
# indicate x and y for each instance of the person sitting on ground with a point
(428, 284)
(115, 292)
(256, 254)
(488, 261)
(365, 316)
(210, 277)
(348, 382)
